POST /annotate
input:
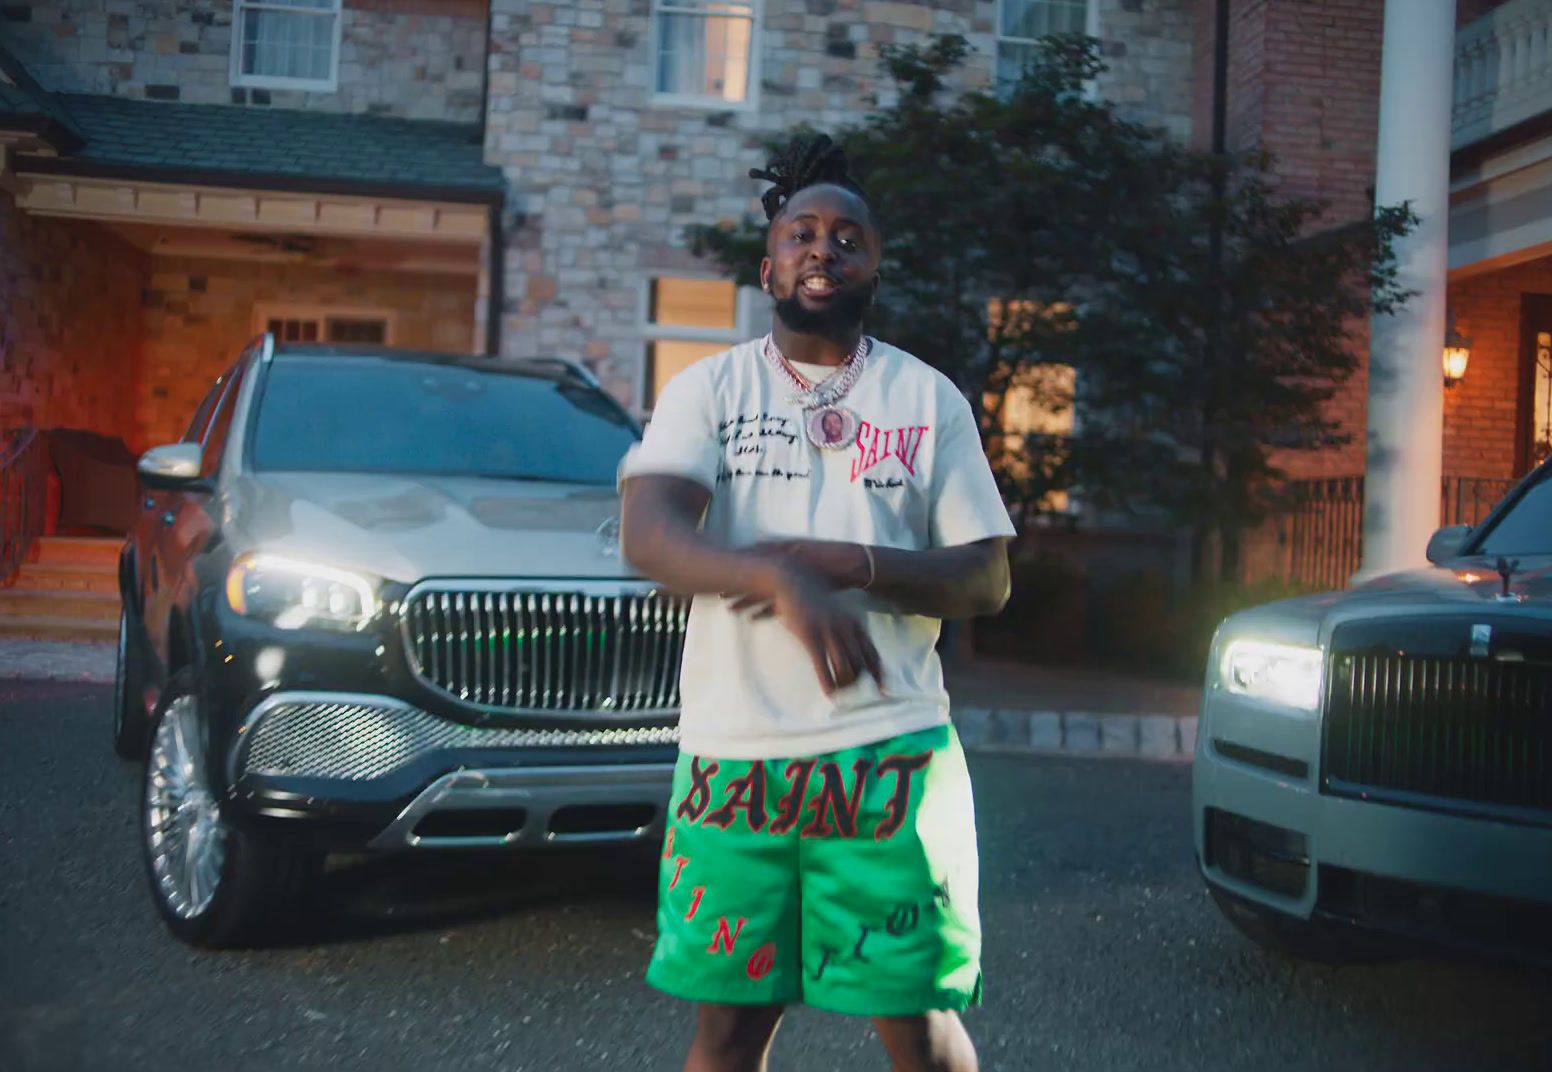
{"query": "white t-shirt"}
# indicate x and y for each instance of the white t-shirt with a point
(916, 478)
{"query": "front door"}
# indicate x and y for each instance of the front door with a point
(1534, 439)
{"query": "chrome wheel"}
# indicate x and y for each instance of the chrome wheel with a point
(184, 832)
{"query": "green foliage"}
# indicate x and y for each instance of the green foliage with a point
(1207, 317)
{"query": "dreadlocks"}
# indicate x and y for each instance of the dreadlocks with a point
(804, 162)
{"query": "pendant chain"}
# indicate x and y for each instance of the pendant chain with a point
(814, 396)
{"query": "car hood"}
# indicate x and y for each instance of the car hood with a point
(407, 528)
(1463, 586)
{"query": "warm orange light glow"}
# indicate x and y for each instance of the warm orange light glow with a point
(1455, 360)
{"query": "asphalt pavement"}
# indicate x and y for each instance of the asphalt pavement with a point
(1103, 952)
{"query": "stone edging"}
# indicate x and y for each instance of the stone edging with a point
(1162, 738)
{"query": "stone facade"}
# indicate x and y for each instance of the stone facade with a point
(1150, 48)
(606, 179)
(69, 324)
(416, 59)
(197, 314)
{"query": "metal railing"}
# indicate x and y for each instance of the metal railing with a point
(1503, 70)
(24, 467)
(1320, 524)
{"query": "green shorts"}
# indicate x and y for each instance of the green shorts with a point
(846, 881)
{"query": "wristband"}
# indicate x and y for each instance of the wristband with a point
(872, 566)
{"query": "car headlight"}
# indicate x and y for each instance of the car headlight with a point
(293, 595)
(1279, 673)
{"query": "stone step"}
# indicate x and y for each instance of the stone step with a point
(77, 550)
(69, 576)
(44, 628)
(88, 607)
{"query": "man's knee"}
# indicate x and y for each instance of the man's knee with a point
(932, 1042)
(734, 1036)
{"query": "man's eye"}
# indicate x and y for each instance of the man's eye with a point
(800, 236)
(849, 245)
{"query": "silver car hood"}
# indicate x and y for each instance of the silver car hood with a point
(407, 528)
(1463, 586)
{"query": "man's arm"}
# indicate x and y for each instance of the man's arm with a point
(660, 535)
(966, 581)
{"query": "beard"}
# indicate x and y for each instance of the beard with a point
(841, 315)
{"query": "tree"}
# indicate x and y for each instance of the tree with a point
(1034, 231)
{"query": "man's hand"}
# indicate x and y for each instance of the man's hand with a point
(838, 565)
(836, 639)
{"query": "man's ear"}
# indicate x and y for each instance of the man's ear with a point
(765, 274)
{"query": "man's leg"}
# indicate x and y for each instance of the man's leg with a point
(931, 1042)
(733, 1038)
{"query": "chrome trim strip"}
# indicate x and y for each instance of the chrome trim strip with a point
(540, 792)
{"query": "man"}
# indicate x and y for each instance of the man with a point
(821, 842)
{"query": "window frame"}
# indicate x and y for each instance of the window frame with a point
(652, 331)
(751, 101)
(263, 313)
(1090, 27)
(270, 81)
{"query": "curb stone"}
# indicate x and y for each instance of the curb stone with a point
(58, 660)
(1156, 737)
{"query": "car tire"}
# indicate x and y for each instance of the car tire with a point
(129, 717)
(214, 885)
(1311, 941)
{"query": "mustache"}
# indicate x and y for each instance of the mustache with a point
(844, 311)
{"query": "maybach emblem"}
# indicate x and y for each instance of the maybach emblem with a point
(609, 537)
(1481, 641)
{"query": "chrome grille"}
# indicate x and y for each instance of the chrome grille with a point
(370, 738)
(583, 648)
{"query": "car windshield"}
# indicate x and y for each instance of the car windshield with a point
(1526, 529)
(370, 415)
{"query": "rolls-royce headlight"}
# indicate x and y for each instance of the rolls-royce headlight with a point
(294, 595)
(1278, 673)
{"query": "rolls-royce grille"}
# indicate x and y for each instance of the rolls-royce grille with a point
(1425, 728)
(549, 651)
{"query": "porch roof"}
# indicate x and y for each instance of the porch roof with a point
(279, 149)
(26, 107)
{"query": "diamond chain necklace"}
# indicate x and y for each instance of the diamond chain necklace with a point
(833, 388)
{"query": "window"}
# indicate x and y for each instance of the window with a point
(1541, 401)
(686, 320)
(705, 51)
(286, 44)
(1037, 411)
(320, 324)
(221, 424)
(1021, 24)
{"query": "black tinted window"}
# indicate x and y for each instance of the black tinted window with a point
(1527, 528)
(367, 415)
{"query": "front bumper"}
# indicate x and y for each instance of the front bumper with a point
(330, 740)
(1265, 833)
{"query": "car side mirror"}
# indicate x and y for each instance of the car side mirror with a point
(175, 467)
(1447, 542)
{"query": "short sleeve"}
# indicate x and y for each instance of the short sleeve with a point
(681, 439)
(966, 505)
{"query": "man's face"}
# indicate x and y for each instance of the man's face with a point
(821, 262)
(833, 428)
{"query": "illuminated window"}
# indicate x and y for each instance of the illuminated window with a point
(1021, 24)
(686, 320)
(1039, 404)
(311, 323)
(705, 51)
(286, 44)
(1541, 444)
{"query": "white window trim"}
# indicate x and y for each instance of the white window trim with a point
(744, 324)
(1090, 27)
(268, 81)
(264, 313)
(751, 101)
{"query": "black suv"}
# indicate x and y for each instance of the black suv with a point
(374, 600)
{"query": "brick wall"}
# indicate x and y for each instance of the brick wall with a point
(69, 324)
(420, 59)
(1480, 412)
(198, 315)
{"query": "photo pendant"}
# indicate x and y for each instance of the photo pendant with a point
(831, 427)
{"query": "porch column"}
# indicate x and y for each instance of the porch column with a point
(1406, 391)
